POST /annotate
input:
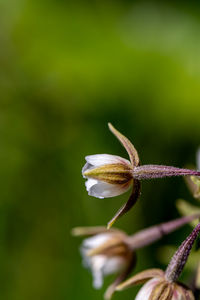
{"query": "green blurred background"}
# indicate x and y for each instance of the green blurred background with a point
(66, 69)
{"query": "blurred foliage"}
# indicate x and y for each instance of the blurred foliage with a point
(66, 69)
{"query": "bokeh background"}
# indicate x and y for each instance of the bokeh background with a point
(66, 69)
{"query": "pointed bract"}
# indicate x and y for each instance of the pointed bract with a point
(141, 277)
(128, 205)
(132, 152)
(179, 259)
(84, 231)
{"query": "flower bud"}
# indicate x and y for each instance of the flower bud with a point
(179, 259)
(107, 175)
(105, 252)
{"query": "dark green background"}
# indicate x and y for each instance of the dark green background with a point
(66, 69)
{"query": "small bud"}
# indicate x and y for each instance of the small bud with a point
(179, 259)
(110, 175)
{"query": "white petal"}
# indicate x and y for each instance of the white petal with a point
(86, 167)
(198, 159)
(97, 279)
(104, 159)
(96, 240)
(91, 243)
(106, 190)
(102, 265)
(145, 291)
(89, 183)
(97, 160)
(114, 265)
(97, 264)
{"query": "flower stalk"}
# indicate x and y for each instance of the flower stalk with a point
(159, 171)
(149, 235)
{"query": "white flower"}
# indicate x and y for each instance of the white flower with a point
(111, 175)
(108, 175)
(106, 252)
(106, 261)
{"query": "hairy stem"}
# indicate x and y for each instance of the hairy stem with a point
(149, 235)
(158, 171)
